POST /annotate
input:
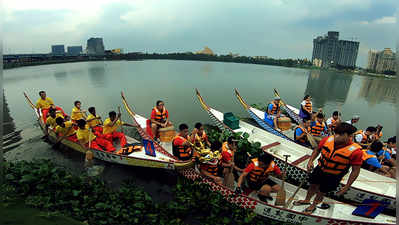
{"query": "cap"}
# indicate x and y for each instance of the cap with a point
(277, 98)
(355, 117)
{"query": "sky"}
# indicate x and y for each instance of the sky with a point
(273, 28)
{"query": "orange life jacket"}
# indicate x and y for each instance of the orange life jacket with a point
(305, 138)
(336, 161)
(317, 129)
(308, 106)
(225, 148)
(160, 116)
(212, 169)
(274, 109)
(364, 139)
(367, 155)
(378, 136)
(333, 123)
(180, 151)
(258, 173)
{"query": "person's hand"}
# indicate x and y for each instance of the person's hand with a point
(309, 167)
(342, 191)
(238, 190)
(217, 179)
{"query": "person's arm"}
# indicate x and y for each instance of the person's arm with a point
(314, 155)
(94, 118)
(269, 109)
(82, 144)
(128, 124)
(167, 118)
(115, 121)
(60, 138)
(206, 173)
(241, 179)
(352, 177)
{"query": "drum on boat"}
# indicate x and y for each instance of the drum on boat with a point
(166, 134)
(284, 123)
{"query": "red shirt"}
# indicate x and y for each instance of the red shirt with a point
(251, 166)
(178, 141)
(153, 113)
(226, 156)
(356, 158)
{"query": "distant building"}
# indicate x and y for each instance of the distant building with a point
(331, 51)
(57, 50)
(74, 50)
(234, 55)
(95, 46)
(206, 51)
(117, 51)
(381, 61)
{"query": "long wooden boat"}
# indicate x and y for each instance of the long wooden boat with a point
(292, 112)
(368, 185)
(136, 158)
(339, 213)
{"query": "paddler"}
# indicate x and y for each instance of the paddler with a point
(111, 124)
(354, 120)
(229, 147)
(50, 123)
(44, 103)
(372, 163)
(77, 113)
(64, 129)
(318, 127)
(378, 133)
(94, 122)
(391, 146)
(87, 139)
(333, 121)
(365, 138)
(199, 136)
(257, 177)
(338, 154)
(306, 108)
(180, 144)
(273, 112)
(300, 133)
(159, 118)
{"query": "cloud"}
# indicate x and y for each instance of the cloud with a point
(383, 20)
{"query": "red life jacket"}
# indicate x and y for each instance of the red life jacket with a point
(180, 151)
(317, 129)
(259, 174)
(160, 116)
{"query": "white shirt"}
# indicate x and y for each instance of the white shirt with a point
(359, 137)
(349, 121)
(329, 121)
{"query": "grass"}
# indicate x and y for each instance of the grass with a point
(17, 213)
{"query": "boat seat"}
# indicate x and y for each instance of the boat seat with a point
(264, 148)
(298, 161)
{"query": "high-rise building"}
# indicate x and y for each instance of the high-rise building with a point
(382, 61)
(57, 50)
(95, 46)
(75, 50)
(329, 51)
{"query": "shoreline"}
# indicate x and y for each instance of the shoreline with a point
(8, 66)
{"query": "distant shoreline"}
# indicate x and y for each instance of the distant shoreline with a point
(14, 65)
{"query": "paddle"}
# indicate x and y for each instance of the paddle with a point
(296, 191)
(280, 199)
(119, 112)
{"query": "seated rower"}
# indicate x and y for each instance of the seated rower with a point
(87, 139)
(371, 162)
(159, 118)
(44, 103)
(318, 127)
(64, 129)
(273, 112)
(300, 133)
(365, 138)
(333, 121)
(180, 144)
(111, 124)
(229, 147)
(50, 123)
(391, 146)
(94, 122)
(378, 133)
(77, 112)
(210, 168)
(257, 174)
(306, 109)
(199, 136)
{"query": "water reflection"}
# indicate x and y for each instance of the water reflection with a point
(11, 136)
(97, 74)
(206, 68)
(60, 76)
(378, 90)
(325, 86)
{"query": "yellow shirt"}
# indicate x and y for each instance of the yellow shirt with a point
(107, 129)
(94, 122)
(51, 121)
(63, 130)
(76, 114)
(83, 135)
(44, 104)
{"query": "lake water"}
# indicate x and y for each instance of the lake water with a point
(144, 82)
